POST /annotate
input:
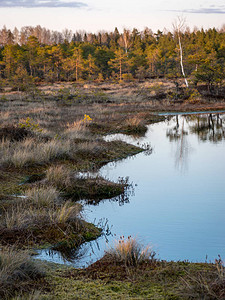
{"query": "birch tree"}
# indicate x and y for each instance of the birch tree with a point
(125, 40)
(179, 26)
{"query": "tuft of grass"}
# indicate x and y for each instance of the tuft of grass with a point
(17, 271)
(130, 252)
(135, 125)
(68, 212)
(42, 196)
(76, 130)
(59, 176)
(96, 188)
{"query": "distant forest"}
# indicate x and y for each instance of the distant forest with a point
(36, 54)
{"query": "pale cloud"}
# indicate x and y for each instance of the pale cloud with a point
(41, 3)
(202, 8)
(211, 10)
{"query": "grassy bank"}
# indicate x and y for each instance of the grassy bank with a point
(129, 271)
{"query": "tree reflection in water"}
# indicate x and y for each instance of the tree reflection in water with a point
(178, 135)
(208, 127)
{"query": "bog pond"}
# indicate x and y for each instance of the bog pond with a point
(177, 199)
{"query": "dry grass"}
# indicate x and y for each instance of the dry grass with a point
(76, 130)
(68, 212)
(206, 284)
(42, 196)
(4, 115)
(32, 151)
(17, 270)
(59, 176)
(91, 148)
(21, 217)
(134, 121)
(134, 124)
(39, 209)
(130, 252)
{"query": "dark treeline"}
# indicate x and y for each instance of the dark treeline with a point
(36, 54)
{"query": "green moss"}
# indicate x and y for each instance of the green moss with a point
(117, 282)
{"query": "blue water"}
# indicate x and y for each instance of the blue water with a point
(178, 205)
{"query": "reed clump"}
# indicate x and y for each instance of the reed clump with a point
(130, 252)
(76, 130)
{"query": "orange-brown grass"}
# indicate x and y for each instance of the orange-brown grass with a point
(134, 124)
(76, 130)
(130, 252)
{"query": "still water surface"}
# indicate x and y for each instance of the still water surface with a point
(178, 201)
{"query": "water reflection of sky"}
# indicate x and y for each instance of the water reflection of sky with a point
(179, 200)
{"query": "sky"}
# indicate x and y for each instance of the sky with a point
(96, 15)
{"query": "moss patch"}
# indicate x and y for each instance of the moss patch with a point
(107, 280)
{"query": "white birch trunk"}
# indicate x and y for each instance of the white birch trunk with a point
(181, 60)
